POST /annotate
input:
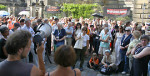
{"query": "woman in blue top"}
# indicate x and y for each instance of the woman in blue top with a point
(104, 44)
(60, 35)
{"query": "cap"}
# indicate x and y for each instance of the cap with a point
(16, 24)
(107, 51)
(128, 28)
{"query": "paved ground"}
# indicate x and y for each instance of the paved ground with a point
(85, 72)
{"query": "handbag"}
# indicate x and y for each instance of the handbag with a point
(78, 44)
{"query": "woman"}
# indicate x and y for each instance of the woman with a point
(140, 65)
(96, 38)
(77, 29)
(85, 44)
(60, 35)
(136, 35)
(104, 44)
(117, 42)
(65, 57)
(127, 37)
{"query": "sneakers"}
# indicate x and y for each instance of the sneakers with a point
(81, 69)
(123, 72)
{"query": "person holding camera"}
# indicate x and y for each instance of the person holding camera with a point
(18, 46)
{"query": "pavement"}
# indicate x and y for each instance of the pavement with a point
(86, 71)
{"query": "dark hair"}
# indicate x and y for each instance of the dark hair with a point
(78, 24)
(22, 20)
(84, 28)
(136, 24)
(86, 24)
(19, 39)
(65, 56)
(145, 37)
(127, 23)
(3, 28)
(121, 28)
(91, 25)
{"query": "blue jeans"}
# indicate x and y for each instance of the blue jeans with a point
(125, 61)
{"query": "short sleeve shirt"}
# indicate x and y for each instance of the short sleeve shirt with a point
(85, 38)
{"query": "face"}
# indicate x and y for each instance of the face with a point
(84, 31)
(28, 23)
(128, 32)
(106, 31)
(107, 53)
(21, 23)
(78, 26)
(144, 42)
(26, 50)
(6, 33)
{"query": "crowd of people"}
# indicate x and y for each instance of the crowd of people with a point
(120, 46)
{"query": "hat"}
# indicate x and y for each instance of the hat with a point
(16, 24)
(107, 51)
(128, 28)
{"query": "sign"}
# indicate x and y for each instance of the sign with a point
(52, 9)
(111, 12)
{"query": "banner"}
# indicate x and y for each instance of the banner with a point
(115, 12)
(52, 9)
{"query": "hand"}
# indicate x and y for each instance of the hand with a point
(105, 65)
(79, 37)
(127, 53)
(122, 48)
(91, 66)
(40, 49)
(139, 44)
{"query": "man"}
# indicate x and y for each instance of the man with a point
(22, 22)
(27, 27)
(69, 32)
(18, 46)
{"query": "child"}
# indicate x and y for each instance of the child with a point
(94, 62)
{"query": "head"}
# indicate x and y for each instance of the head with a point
(144, 40)
(105, 25)
(4, 30)
(128, 23)
(19, 43)
(94, 55)
(78, 26)
(56, 20)
(33, 24)
(69, 24)
(46, 21)
(65, 56)
(59, 25)
(86, 25)
(91, 26)
(16, 25)
(27, 22)
(22, 22)
(107, 52)
(128, 30)
(84, 30)
(136, 34)
(39, 21)
(106, 29)
(121, 29)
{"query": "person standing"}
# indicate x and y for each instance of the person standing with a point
(127, 37)
(85, 44)
(69, 32)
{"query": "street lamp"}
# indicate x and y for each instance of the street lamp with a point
(144, 5)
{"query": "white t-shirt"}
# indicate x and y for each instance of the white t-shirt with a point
(85, 38)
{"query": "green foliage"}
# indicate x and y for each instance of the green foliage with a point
(2, 7)
(123, 18)
(78, 10)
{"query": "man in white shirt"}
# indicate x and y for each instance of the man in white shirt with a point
(27, 27)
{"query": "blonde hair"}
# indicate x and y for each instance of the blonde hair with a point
(136, 34)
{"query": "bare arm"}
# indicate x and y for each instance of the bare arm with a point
(144, 52)
(40, 59)
(5, 52)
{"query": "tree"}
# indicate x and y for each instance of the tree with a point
(2, 7)
(78, 10)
